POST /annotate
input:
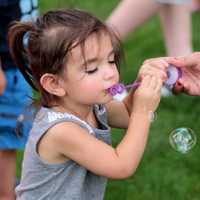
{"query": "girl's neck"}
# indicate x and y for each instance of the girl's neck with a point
(81, 111)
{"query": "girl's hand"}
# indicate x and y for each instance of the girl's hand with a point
(157, 67)
(154, 67)
(2, 80)
(147, 97)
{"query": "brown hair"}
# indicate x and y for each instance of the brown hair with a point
(50, 40)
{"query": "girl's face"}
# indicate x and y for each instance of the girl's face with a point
(86, 80)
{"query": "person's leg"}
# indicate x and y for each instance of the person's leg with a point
(7, 174)
(176, 24)
(130, 14)
(195, 5)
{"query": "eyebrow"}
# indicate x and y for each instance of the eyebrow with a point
(95, 59)
(90, 61)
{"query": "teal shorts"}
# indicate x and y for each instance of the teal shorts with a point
(15, 111)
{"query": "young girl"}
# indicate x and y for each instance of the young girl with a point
(73, 60)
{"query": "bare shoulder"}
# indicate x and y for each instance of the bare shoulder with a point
(67, 133)
(59, 140)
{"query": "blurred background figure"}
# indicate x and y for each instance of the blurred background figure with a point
(175, 17)
(14, 97)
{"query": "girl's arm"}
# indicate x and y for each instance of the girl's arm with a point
(73, 142)
(118, 115)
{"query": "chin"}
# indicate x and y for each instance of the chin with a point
(104, 98)
(107, 98)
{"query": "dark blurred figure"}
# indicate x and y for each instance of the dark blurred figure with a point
(14, 97)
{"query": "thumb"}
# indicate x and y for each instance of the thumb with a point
(177, 61)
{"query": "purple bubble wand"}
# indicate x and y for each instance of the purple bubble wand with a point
(173, 73)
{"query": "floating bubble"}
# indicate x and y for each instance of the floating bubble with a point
(152, 116)
(182, 139)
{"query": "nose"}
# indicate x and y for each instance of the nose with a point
(110, 72)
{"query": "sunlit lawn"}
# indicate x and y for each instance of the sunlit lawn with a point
(163, 173)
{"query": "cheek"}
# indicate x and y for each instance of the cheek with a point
(93, 86)
(117, 76)
(86, 87)
(88, 92)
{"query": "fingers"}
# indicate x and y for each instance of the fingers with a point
(177, 61)
(152, 82)
(158, 87)
(188, 60)
(178, 87)
(166, 60)
(158, 63)
(174, 61)
(188, 86)
(189, 83)
(155, 59)
(155, 68)
(158, 66)
(155, 84)
(146, 81)
(154, 71)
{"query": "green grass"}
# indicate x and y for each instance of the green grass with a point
(163, 173)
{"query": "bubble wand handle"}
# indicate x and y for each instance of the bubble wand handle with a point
(133, 85)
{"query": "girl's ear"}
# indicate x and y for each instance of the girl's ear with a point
(51, 84)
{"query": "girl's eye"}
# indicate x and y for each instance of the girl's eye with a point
(111, 61)
(91, 71)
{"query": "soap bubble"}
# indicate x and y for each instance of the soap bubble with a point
(152, 116)
(182, 139)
